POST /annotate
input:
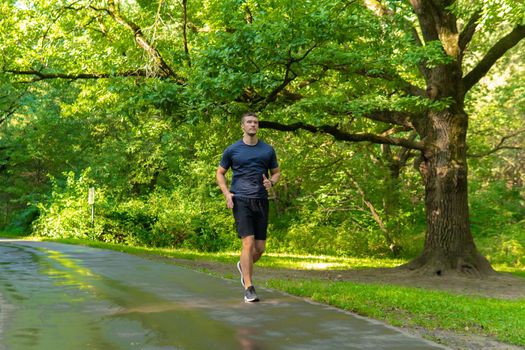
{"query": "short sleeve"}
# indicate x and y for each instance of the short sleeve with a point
(226, 159)
(273, 160)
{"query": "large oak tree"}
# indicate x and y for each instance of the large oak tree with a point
(442, 135)
(440, 32)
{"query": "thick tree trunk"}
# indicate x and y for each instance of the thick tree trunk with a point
(449, 246)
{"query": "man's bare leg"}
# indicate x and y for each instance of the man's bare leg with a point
(247, 259)
(260, 246)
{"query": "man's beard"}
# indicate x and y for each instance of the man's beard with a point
(251, 133)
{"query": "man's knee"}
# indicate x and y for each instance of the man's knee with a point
(248, 243)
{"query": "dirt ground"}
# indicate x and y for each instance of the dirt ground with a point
(501, 286)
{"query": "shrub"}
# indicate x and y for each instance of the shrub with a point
(506, 248)
(66, 213)
(176, 218)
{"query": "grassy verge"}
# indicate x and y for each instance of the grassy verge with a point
(287, 261)
(412, 307)
(12, 235)
(399, 306)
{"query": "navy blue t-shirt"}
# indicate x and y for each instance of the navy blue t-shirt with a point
(249, 163)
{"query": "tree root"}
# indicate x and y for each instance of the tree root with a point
(436, 264)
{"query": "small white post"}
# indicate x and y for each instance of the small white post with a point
(91, 201)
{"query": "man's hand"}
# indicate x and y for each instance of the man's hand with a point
(229, 200)
(267, 183)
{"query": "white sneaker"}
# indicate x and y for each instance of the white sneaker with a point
(240, 271)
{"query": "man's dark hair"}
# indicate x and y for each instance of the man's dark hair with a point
(248, 114)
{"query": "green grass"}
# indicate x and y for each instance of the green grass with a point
(399, 306)
(288, 261)
(413, 307)
(516, 271)
(12, 234)
(272, 260)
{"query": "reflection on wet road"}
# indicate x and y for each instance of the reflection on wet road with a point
(55, 296)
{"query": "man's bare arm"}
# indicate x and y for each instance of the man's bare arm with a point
(275, 175)
(221, 181)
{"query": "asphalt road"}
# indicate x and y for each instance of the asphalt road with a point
(61, 297)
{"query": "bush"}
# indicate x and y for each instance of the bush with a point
(494, 208)
(192, 221)
(66, 213)
(506, 248)
(176, 218)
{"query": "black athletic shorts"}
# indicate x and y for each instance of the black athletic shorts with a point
(251, 217)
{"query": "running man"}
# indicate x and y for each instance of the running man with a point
(250, 160)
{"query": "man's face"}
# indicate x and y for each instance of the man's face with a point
(250, 125)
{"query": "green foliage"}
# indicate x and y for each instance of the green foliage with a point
(161, 219)
(432, 55)
(497, 221)
(67, 213)
(150, 145)
(496, 189)
(498, 202)
(507, 247)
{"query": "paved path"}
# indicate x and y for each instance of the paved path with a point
(55, 296)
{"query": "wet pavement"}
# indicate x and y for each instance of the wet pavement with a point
(56, 296)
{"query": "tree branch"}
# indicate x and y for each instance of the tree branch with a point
(289, 76)
(184, 30)
(405, 86)
(342, 135)
(374, 212)
(500, 146)
(399, 118)
(423, 10)
(287, 79)
(499, 49)
(468, 32)
(380, 10)
(38, 75)
(142, 41)
(9, 111)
